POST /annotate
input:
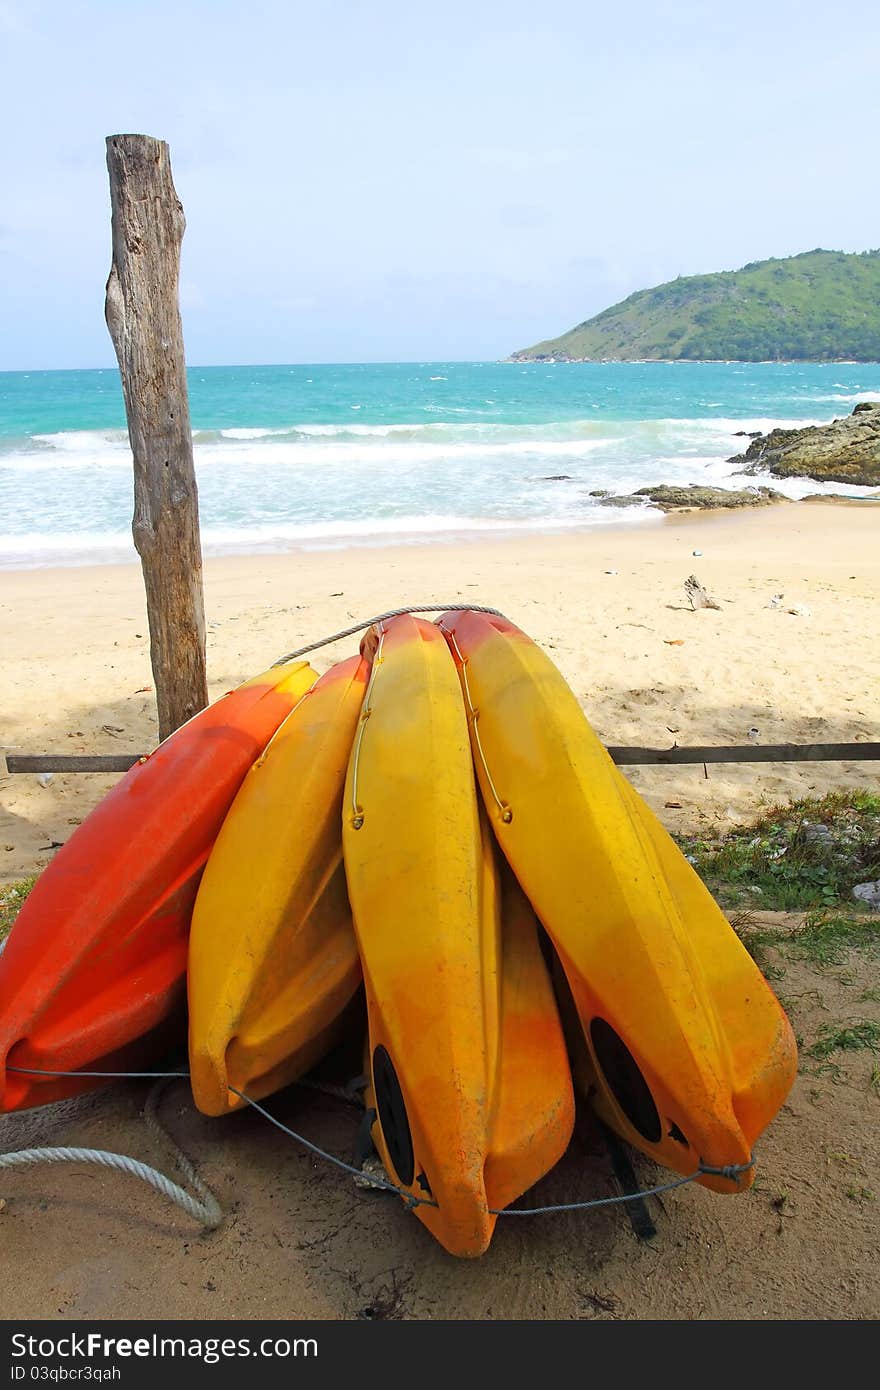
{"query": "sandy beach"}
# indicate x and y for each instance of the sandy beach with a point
(610, 608)
(607, 605)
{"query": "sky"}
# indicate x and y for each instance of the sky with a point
(368, 180)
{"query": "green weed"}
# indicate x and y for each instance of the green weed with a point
(849, 1037)
(807, 855)
(12, 896)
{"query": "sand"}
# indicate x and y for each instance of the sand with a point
(610, 608)
(76, 671)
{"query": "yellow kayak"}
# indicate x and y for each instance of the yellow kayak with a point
(273, 960)
(691, 1051)
(533, 1114)
(532, 1111)
(427, 907)
(760, 1044)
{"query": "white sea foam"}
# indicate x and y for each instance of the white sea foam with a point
(38, 549)
(83, 441)
(320, 484)
(98, 444)
(247, 434)
(852, 397)
(729, 425)
(315, 446)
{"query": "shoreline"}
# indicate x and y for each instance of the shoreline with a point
(515, 361)
(608, 606)
(403, 540)
(652, 517)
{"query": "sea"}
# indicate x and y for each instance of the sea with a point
(333, 456)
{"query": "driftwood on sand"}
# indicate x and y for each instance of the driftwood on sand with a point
(144, 321)
(697, 596)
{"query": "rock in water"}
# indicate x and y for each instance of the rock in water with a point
(846, 451)
(670, 499)
(626, 499)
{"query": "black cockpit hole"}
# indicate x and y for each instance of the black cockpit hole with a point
(392, 1116)
(625, 1081)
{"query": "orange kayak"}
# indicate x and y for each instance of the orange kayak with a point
(93, 974)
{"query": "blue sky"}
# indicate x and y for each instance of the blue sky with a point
(388, 181)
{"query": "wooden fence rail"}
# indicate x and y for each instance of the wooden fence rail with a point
(624, 756)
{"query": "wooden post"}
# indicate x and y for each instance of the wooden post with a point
(144, 321)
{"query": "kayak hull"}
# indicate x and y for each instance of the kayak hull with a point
(95, 965)
(467, 1068)
(273, 960)
(664, 992)
(413, 862)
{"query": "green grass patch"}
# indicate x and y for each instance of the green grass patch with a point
(12, 895)
(802, 856)
(849, 1037)
(826, 938)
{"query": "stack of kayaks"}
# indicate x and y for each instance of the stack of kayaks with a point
(434, 818)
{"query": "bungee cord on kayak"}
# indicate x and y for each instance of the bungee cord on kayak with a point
(208, 1212)
(384, 617)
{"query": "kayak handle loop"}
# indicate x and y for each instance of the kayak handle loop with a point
(473, 715)
(357, 811)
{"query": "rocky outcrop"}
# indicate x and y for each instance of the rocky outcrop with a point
(846, 451)
(628, 499)
(675, 499)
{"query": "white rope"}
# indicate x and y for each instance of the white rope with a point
(381, 617)
(207, 1212)
(204, 1208)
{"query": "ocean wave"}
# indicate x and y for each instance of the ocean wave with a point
(593, 444)
(42, 548)
(397, 449)
(99, 442)
(745, 424)
(853, 398)
(82, 441)
(235, 434)
(300, 448)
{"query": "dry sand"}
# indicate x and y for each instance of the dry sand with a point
(300, 1240)
(76, 671)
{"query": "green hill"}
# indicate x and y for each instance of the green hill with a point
(821, 306)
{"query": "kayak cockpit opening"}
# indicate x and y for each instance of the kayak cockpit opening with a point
(625, 1081)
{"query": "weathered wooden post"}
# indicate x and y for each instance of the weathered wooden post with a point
(144, 321)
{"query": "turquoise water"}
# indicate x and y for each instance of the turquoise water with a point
(338, 455)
